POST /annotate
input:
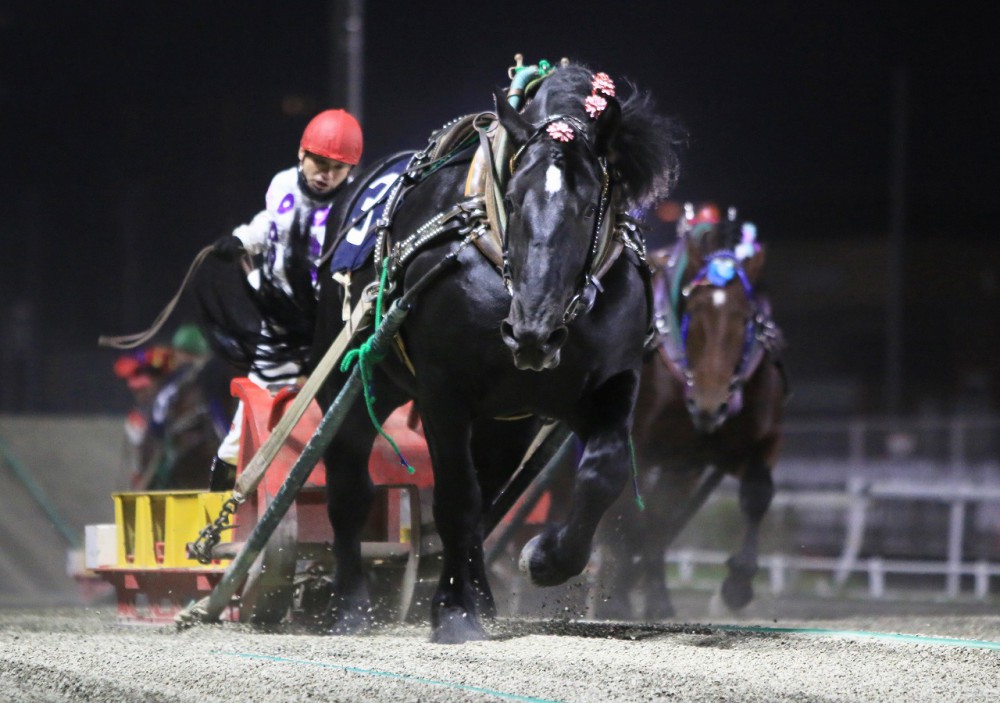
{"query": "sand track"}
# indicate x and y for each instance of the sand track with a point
(85, 655)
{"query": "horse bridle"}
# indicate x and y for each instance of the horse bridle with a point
(583, 300)
(750, 334)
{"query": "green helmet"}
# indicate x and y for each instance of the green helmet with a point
(188, 338)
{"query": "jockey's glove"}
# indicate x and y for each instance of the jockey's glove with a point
(228, 248)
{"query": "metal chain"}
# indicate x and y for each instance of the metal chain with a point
(211, 535)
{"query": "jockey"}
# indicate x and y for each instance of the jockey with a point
(298, 197)
(189, 345)
(189, 350)
(330, 147)
(212, 374)
(698, 219)
(182, 432)
(143, 371)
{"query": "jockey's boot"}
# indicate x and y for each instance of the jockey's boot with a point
(223, 475)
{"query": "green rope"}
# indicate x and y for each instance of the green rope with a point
(366, 359)
(675, 284)
(635, 475)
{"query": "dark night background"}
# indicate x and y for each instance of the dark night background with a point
(133, 134)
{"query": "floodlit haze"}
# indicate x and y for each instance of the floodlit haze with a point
(133, 134)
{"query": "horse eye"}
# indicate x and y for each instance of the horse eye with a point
(590, 211)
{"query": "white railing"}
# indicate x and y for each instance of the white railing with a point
(954, 446)
(872, 464)
(781, 567)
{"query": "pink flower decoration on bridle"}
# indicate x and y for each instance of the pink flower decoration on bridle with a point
(560, 131)
(602, 88)
(603, 84)
(594, 105)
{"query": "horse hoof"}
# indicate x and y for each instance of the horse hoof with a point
(349, 620)
(736, 593)
(527, 552)
(455, 626)
(349, 626)
(538, 562)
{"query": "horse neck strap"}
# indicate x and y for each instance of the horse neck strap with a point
(444, 145)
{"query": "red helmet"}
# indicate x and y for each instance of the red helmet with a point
(705, 213)
(334, 134)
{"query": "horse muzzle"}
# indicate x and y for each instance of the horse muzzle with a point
(533, 350)
(707, 420)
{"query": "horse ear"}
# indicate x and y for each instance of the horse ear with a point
(754, 265)
(517, 127)
(606, 126)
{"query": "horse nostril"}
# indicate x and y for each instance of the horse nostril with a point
(723, 409)
(507, 334)
(557, 338)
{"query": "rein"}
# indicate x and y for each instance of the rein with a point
(131, 341)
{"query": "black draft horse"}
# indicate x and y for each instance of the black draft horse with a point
(711, 394)
(489, 343)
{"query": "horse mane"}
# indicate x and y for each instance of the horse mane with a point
(644, 149)
(708, 239)
(705, 240)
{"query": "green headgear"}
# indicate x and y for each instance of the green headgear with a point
(188, 338)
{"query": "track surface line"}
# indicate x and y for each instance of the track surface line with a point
(862, 634)
(388, 675)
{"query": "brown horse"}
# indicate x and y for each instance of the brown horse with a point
(710, 403)
(184, 431)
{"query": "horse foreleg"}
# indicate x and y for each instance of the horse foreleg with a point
(561, 552)
(457, 514)
(497, 448)
(350, 494)
(349, 498)
(667, 493)
(756, 491)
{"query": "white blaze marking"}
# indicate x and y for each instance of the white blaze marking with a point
(718, 298)
(553, 179)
